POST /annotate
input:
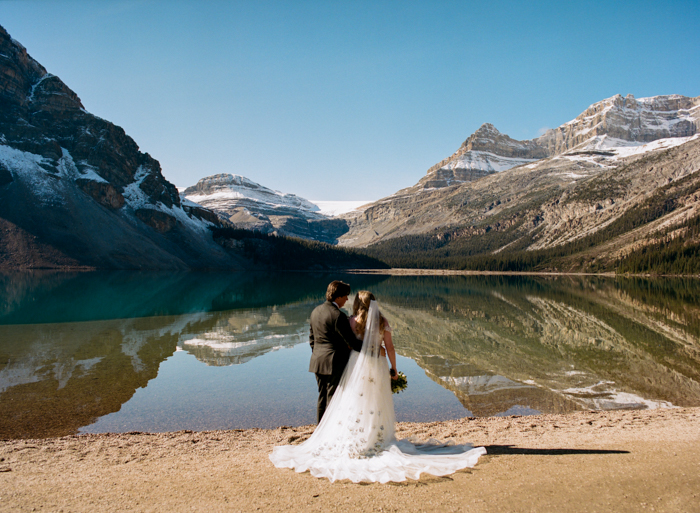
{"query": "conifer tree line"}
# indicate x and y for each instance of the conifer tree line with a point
(289, 253)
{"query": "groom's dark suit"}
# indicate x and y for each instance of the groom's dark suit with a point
(331, 340)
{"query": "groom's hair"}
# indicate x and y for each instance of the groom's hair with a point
(337, 289)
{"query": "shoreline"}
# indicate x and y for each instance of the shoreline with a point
(455, 272)
(623, 460)
(388, 272)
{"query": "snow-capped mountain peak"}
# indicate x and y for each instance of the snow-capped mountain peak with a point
(224, 188)
(249, 205)
(614, 125)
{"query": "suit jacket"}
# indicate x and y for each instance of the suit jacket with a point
(331, 340)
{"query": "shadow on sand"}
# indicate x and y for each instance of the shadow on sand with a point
(494, 450)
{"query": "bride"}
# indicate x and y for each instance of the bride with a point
(355, 438)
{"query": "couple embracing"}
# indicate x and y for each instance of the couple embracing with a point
(355, 438)
(334, 338)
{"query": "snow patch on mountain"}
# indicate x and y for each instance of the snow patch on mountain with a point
(30, 96)
(485, 161)
(275, 200)
(133, 194)
(67, 169)
(336, 208)
(627, 150)
(137, 199)
(604, 151)
(27, 167)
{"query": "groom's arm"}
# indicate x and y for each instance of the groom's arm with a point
(342, 327)
(311, 337)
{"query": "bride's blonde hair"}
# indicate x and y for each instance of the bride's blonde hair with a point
(360, 308)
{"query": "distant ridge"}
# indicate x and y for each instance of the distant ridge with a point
(248, 205)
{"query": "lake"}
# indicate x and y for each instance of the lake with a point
(130, 351)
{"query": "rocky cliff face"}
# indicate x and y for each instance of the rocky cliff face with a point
(248, 205)
(569, 183)
(614, 122)
(76, 191)
(486, 151)
(625, 120)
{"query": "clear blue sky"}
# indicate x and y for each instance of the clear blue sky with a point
(348, 100)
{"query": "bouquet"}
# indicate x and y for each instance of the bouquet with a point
(399, 384)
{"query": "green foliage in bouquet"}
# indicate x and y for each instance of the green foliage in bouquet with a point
(399, 384)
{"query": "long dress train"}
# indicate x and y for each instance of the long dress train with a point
(355, 438)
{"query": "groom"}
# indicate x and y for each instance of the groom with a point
(331, 340)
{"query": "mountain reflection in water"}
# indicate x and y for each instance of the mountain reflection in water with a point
(238, 337)
(75, 348)
(552, 345)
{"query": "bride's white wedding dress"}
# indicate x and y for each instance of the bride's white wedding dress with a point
(355, 438)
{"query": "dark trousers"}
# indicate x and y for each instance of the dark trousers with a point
(327, 383)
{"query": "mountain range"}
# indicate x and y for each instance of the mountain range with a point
(614, 186)
(620, 177)
(605, 186)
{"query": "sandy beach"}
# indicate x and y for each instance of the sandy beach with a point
(587, 461)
